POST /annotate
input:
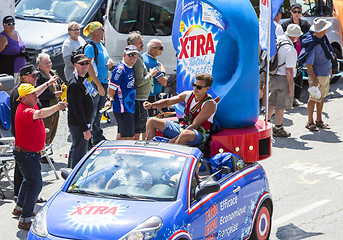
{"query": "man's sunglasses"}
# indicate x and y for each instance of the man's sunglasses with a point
(83, 63)
(159, 48)
(297, 12)
(132, 55)
(33, 75)
(198, 86)
(10, 24)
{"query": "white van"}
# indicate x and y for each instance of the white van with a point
(153, 18)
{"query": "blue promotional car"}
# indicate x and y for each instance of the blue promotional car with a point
(153, 190)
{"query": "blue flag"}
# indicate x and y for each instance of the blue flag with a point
(265, 22)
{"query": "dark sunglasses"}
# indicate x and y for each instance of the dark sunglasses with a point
(10, 24)
(297, 12)
(83, 63)
(159, 48)
(33, 75)
(132, 55)
(198, 86)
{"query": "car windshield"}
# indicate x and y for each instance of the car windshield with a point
(54, 10)
(131, 173)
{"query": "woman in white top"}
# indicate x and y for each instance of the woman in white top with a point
(70, 45)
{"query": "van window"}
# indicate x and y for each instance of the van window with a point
(54, 10)
(148, 17)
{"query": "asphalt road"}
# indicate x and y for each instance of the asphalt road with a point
(305, 175)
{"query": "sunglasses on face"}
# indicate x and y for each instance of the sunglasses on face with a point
(33, 75)
(159, 48)
(296, 12)
(10, 24)
(83, 63)
(198, 86)
(132, 55)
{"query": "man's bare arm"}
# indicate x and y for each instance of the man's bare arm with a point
(48, 111)
(313, 76)
(165, 102)
(289, 76)
(91, 72)
(208, 109)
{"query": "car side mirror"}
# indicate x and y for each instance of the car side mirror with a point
(66, 172)
(205, 188)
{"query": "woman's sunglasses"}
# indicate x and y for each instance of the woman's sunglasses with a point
(296, 12)
(10, 24)
(198, 86)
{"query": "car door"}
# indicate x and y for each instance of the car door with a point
(213, 215)
(226, 214)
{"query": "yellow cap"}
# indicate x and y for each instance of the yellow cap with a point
(91, 27)
(25, 89)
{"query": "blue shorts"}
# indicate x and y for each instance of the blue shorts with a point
(125, 122)
(173, 130)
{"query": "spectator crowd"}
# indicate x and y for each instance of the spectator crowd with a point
(133, 92)
(300, 45)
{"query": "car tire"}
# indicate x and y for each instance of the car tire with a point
(263, 224)
(340, 66)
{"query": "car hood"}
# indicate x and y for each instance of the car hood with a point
(81, 217)
(39, 34)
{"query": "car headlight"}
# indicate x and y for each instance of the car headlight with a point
(146, 230)
(38, 226)
(53, 51)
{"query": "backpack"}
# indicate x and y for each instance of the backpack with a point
(273, 64)
(81, 50)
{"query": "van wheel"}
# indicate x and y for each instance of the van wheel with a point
(263, 223)
(340, 66)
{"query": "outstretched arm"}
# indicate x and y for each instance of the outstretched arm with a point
(165, 102)
(46, 112)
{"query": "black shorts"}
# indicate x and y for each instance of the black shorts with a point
(141, 116)
(125, 123)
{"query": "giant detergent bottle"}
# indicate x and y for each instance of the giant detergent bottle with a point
(220, 37)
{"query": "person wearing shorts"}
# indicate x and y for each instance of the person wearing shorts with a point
(143, 80)
(173, 129)
(199, 112)
(281, 84)
(121, 92)
(317, 53)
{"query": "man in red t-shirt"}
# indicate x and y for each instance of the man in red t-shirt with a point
(29, 141)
